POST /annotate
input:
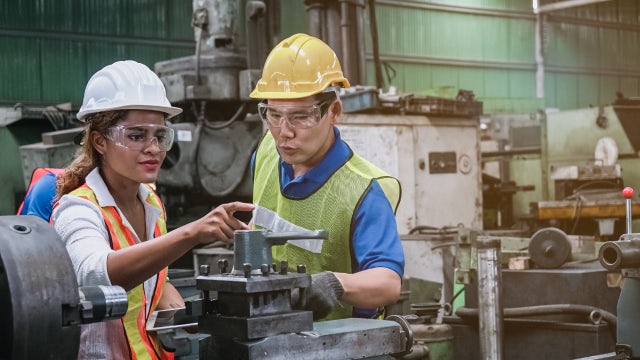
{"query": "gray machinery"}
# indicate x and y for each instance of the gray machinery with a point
(563, 311)
(247, 311)
(42, 305)
(624, 255)
(216, 134)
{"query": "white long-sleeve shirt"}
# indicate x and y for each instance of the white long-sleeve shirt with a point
(84, 233)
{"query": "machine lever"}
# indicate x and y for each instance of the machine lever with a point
(280, 238)
(627, 192)
(252, 248)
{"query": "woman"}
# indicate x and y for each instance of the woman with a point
(111, 220)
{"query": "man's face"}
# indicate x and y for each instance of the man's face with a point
(302, 129)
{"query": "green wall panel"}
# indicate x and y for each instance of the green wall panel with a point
(522, 84)
(494, 39)
(495, 83)
(588, 90)
(607, 88)
(470, 79)
(20, 72)
(60, 63)
(56, 45)
(566, 91)
(521, 35)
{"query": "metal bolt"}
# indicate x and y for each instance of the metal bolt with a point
(246, 267)
(204, 270)
(264, 269)
(301, 269)
(284, 267)
(222, 265)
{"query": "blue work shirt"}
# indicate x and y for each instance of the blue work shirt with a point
(39, 199)
(375, 241)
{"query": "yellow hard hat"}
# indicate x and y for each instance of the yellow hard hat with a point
(297, 67)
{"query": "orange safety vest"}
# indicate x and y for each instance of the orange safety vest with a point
(142, 345)
(35, 176)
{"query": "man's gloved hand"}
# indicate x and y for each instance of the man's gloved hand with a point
(322, 296)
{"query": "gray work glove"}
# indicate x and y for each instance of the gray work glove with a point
(321, 297)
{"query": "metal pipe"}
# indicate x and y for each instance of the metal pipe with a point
(620, 254)
(254, 11)
(332, 34)
(489, 298)
(539, 54)
(566, 4)
(345, 29)
(315, 17)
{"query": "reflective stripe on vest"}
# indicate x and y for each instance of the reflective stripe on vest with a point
(141, 344)
(332, 207)
(35, 176)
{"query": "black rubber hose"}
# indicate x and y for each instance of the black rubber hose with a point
(610, 318)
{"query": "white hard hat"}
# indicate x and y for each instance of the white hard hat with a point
(125, 85)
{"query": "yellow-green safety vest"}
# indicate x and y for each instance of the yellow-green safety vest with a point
(332, 208)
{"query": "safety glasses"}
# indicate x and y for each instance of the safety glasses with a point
(296, 116)
(138, 137)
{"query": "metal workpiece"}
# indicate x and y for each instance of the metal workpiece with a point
(253, 247)
(335, 339)
(549, 248)
(254, 284)
(256, 327)
(489, 298)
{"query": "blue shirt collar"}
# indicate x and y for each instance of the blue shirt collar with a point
(304, 185)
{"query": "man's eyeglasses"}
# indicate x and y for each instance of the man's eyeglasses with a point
(138, 137)
(296, 116)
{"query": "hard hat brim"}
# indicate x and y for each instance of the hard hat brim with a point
(171, 111)
(276, 95)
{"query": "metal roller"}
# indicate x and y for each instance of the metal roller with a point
(549, 248)
(36, 282)
(42, 306)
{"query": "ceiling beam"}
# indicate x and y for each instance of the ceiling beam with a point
(562, 5)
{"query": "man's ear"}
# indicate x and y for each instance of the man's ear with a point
(335, 110)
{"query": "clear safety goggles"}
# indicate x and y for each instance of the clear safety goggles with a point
(138, 137)
(296, 116)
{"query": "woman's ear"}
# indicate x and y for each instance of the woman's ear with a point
(98, 142)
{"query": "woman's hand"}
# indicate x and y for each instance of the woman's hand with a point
(219, 224)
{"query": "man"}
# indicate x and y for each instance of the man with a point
(307, 177)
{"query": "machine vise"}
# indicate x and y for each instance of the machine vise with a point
(247, 310)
